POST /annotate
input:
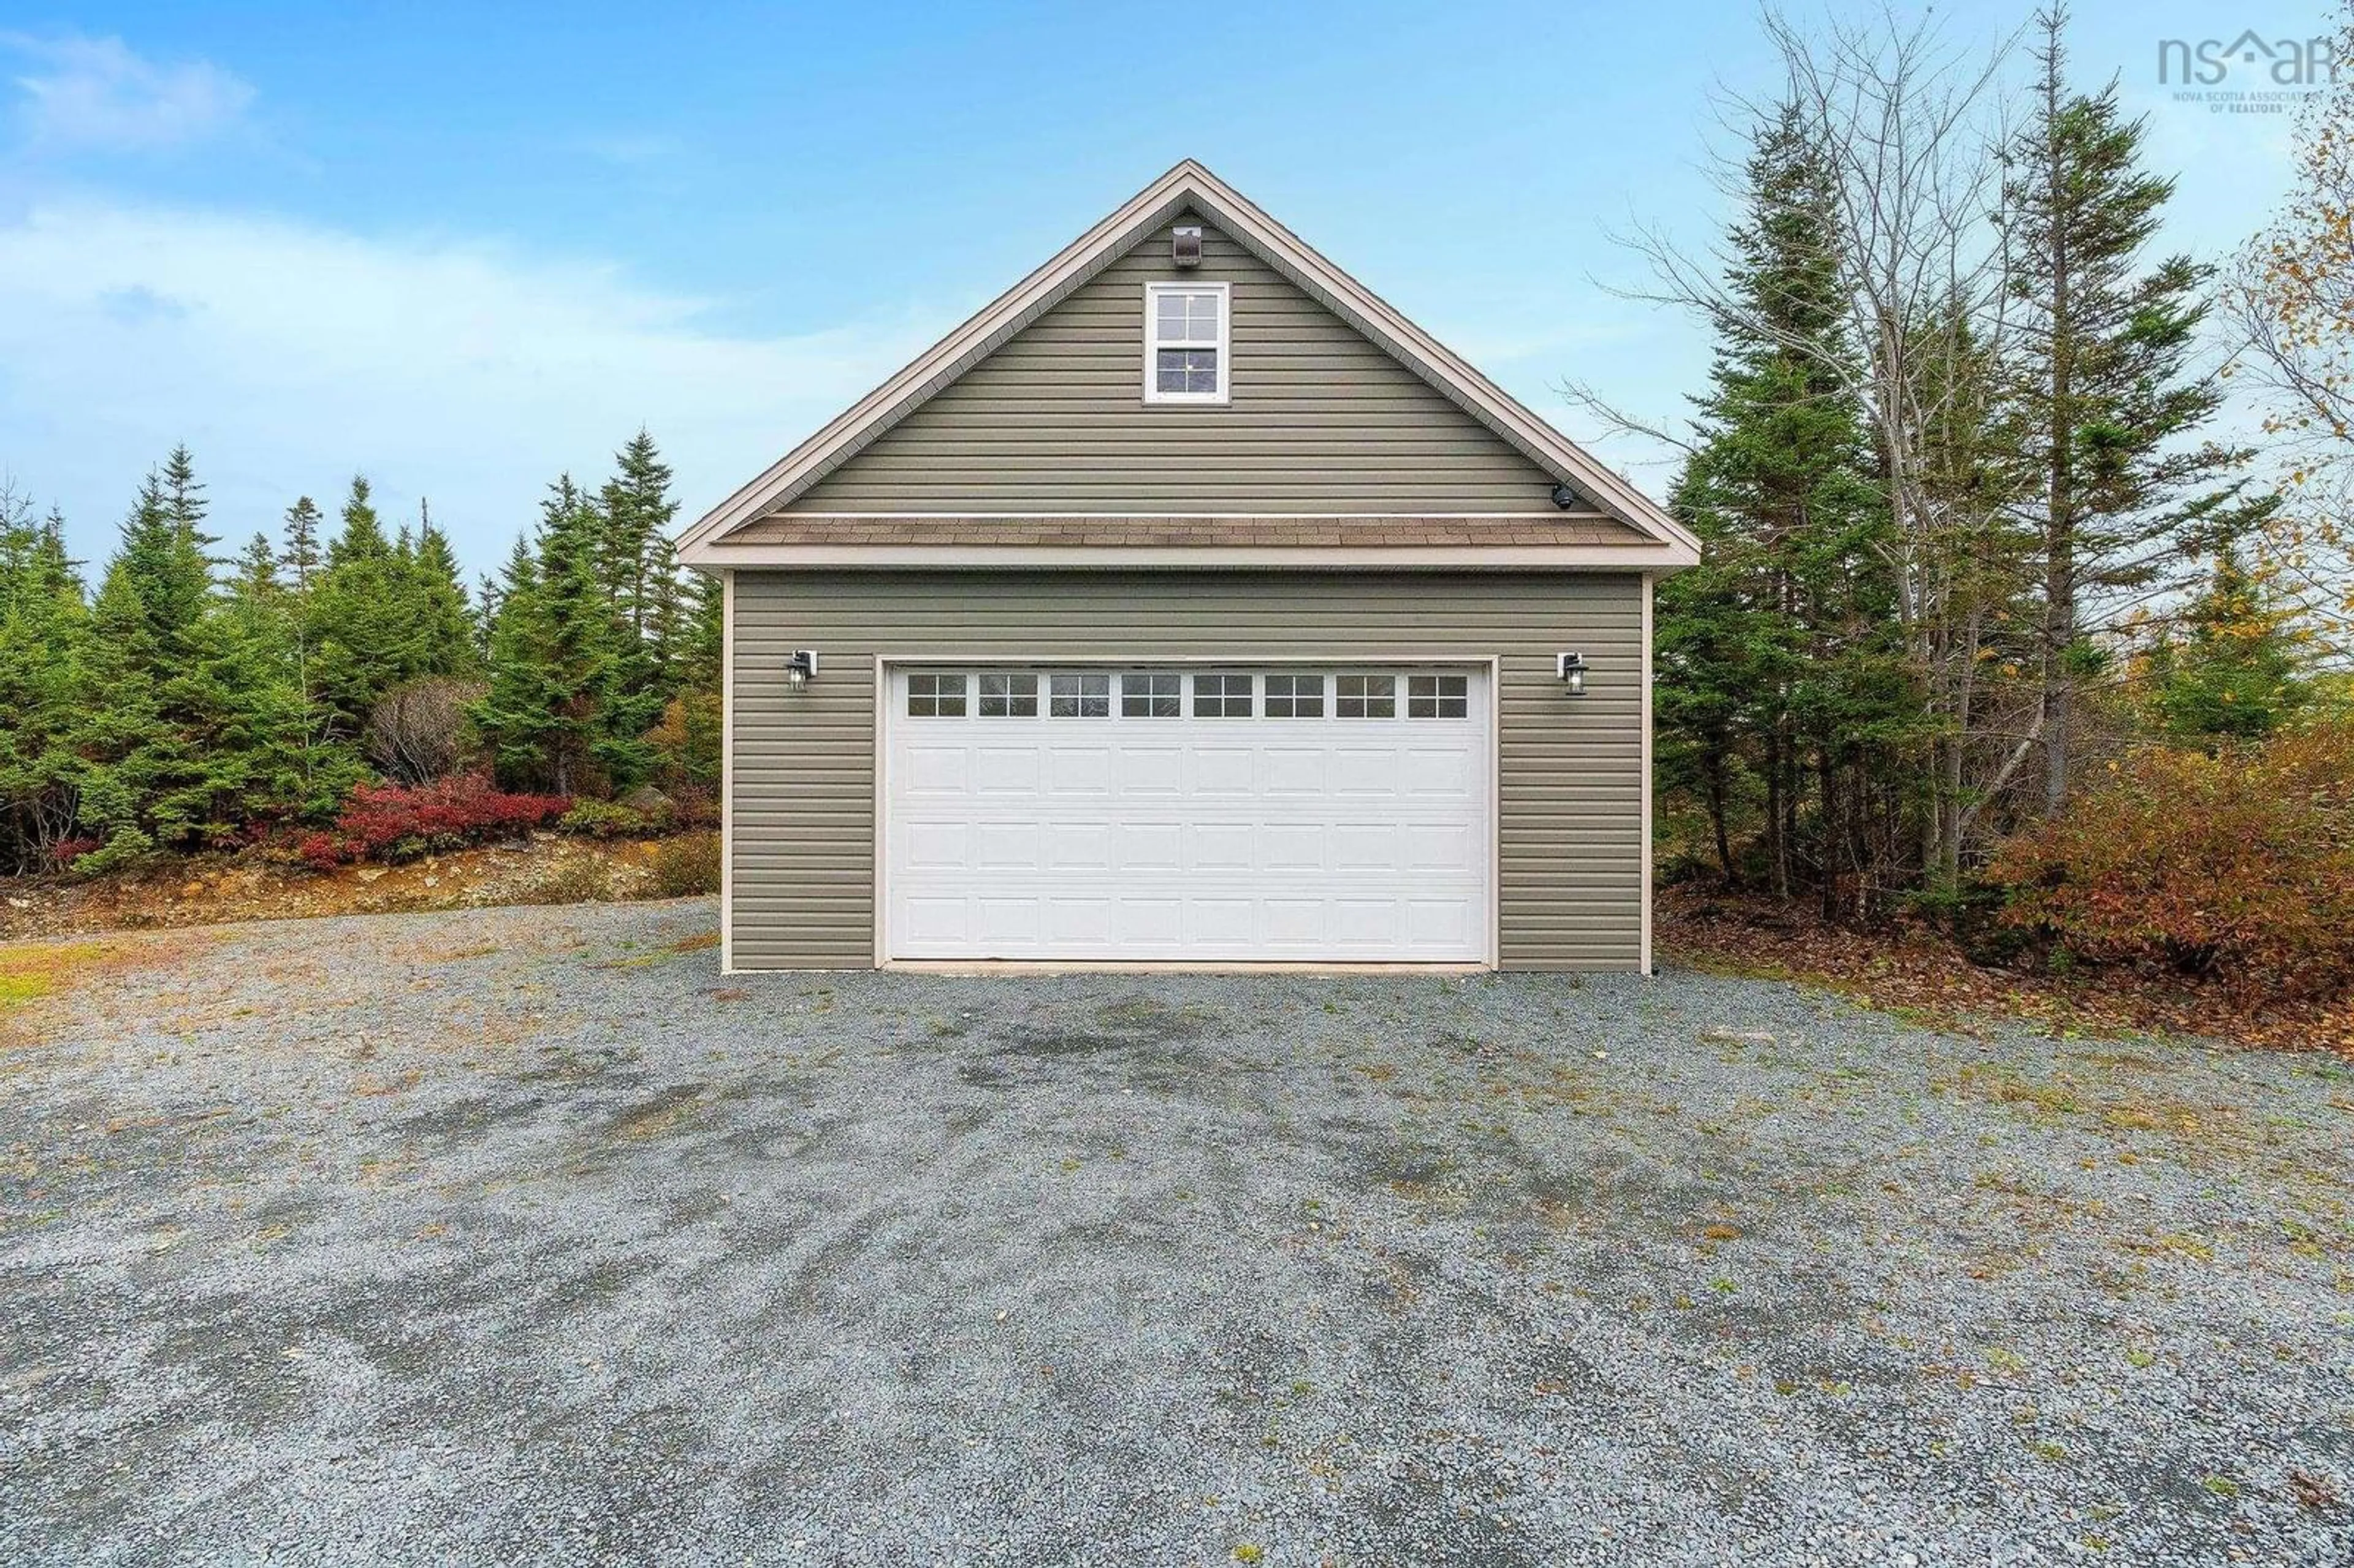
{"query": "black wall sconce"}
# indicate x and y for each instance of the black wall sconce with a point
(1571, 667)
(801, 668)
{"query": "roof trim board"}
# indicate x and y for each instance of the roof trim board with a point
(1188, 185)
(1194, 558)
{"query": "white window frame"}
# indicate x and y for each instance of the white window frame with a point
(1153, 344)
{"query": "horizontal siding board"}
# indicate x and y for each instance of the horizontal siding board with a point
(1570, 867)
(1321, 419)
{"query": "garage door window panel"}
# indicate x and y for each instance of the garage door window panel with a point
(936, 696)
(1365, 696)
(1437, 696)
(1008, 695)
(1151, 694)
(1295, 696)
(1222, 696)
(1078, 696)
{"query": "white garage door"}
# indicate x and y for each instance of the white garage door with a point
(1206, 815)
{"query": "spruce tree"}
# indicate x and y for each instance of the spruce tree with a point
(302, 565)
(445, 621)
(2107, 390)
(238, 716)
(1779, 656)
(44, 649)
(366, 636)
(559, 713)
(702, 639)
(636, 511)
(516, 715)
(184, 499)
(301, 555)
(2237, 671)
(638, 566)
(162, 576)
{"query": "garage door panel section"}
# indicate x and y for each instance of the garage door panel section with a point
(1233, 821)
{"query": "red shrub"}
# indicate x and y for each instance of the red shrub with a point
(68, 851)
(320, 850)
(393, 821)
(2240, 866)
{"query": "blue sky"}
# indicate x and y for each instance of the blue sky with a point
(462, 249)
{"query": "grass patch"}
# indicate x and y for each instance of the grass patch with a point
(1990, 1081)
(701, 942)
(28, 974)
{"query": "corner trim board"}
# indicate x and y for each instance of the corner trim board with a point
(726, 772)
(1644, 784)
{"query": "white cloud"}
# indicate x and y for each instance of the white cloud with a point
(95, 93)
(289, 357)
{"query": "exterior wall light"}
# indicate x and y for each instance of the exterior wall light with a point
(1572, 670)
(801, 668)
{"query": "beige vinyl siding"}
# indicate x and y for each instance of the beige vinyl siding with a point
(1321, 419)
(1571, 868)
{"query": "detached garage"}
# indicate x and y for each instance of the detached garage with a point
(1187, 606)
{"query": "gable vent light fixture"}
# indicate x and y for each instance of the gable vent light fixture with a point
(801, 668)
(1563, 497)
(1572, 669)
(1185, 244)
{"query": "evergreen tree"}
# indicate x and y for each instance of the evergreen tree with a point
(238, 720)
(2107, 391)
(516, 715)
(143, 758)
(160, 577)
(445, 621)
(559, 713)
(667, 615)
(256, 577)
(365, 629)
(184, 499)
(702, 639)
(638, 566)
(301, 555)
(636, 511)
(2237, 671)
(324, 765)
(44, 647)
(1778, 656)
(487, 600)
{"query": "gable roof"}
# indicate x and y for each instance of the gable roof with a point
(1188, 185)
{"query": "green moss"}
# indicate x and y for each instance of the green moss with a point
(28, 974)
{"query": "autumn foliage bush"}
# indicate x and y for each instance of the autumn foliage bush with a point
(2238, 865)
(395, 821)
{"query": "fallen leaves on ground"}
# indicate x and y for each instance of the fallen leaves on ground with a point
(209, 889)
(1914, 972)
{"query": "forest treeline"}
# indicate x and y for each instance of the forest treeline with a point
(200, 698)
(1981, 563)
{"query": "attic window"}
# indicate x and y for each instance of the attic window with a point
(1184, 343)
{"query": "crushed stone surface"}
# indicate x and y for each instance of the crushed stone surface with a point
(525, 1235)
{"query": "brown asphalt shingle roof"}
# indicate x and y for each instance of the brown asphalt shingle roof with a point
(1207, 533)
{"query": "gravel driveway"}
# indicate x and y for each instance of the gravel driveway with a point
(523, 1236)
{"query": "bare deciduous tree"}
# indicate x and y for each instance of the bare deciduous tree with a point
(418, 732)
(2291, 297)
(1911, 130)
